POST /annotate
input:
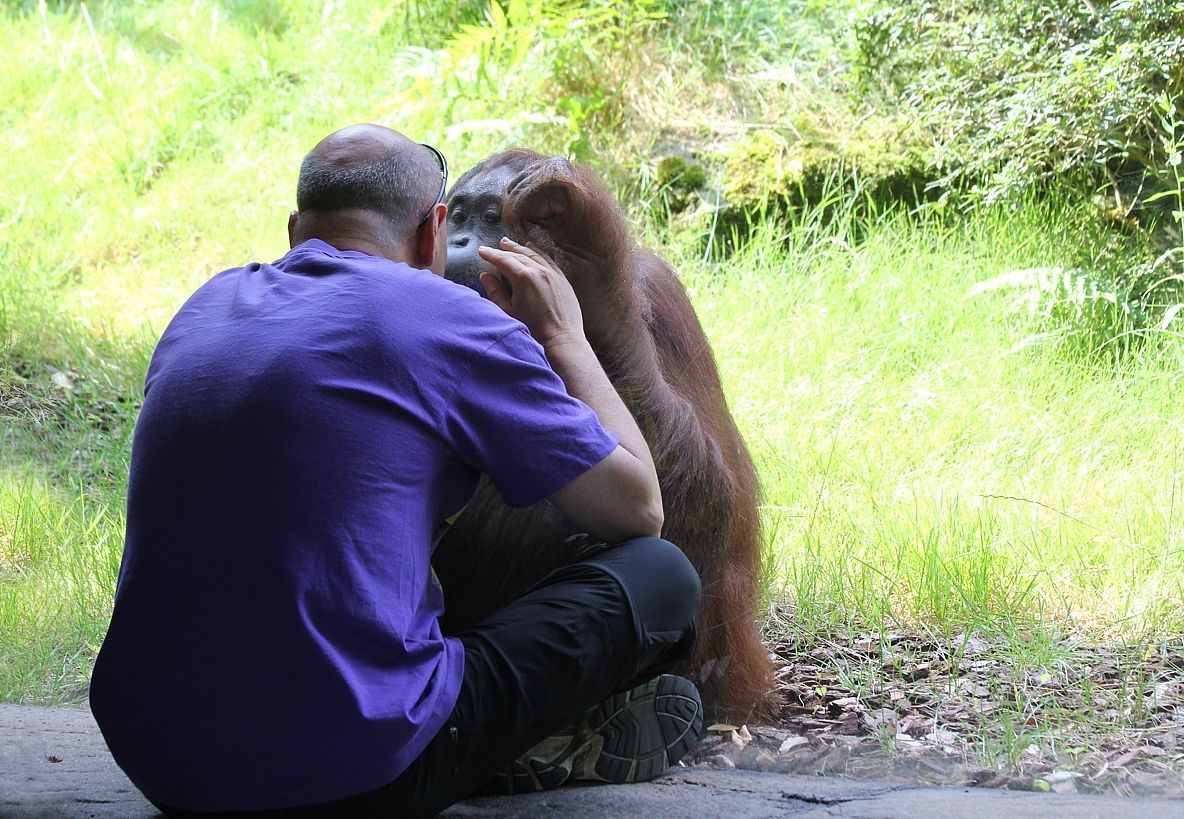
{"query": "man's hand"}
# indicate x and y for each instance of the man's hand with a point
(619, 497)
(538, 295)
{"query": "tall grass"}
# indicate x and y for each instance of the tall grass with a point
(59, 556)
(929, 457)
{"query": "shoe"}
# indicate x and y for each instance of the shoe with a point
(632, 736)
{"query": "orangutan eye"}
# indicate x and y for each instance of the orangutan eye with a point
(493, 217)
(456, 216)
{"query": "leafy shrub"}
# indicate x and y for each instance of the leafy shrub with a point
(1171, 137)
(544, 73)
(1027, 92)
(727, 35)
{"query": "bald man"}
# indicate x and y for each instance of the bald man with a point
(309, 428)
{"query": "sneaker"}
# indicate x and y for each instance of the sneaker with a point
(632, 736)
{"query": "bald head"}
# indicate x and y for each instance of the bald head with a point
(369, 168)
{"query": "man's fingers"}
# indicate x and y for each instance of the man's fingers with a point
(527, 286)
(496, 290)
(542, 258)
(507, 262)
(529, 250)
(516, 260)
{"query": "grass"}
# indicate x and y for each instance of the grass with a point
(924, 459)
(930, 459)
(59, 557)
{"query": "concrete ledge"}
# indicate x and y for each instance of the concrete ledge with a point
(53, 763)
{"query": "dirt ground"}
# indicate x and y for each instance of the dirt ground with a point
(968, 711)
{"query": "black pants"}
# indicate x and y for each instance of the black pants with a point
(586, 631)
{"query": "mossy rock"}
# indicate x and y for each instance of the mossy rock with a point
(881, 159)
(758, 167)
(767, 172)
(679, 181)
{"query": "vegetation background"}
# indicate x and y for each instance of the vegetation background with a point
(936, 248)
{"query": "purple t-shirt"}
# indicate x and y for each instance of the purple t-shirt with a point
(308, 427)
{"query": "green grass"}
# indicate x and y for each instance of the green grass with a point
(59, 557)
(923, 458)
(931, 460)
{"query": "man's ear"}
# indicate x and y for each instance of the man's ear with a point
(431, 241)
(293, 216)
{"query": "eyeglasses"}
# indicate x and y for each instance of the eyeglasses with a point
(443, 183)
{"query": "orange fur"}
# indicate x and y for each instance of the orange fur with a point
(649, 340)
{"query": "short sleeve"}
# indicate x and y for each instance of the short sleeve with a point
(512, 418)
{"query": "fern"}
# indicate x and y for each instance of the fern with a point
(1047, 291)
(1079, 305)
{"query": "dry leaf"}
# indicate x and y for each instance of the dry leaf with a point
(61, 380)
(741, 737)
(917, 672)
(791, 743)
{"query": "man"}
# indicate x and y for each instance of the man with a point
(308, 428)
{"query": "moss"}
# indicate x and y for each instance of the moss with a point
(670, 168)
(678, 180)
(758, 167)
(695, 177)
(882, 157)
(767, 171)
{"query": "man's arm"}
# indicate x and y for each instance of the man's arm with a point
(619, 497)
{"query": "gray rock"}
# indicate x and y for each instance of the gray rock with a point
(53, 763)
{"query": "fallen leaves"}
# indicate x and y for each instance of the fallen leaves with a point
(969, 710)
(790, 743)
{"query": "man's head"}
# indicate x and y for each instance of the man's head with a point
(371, 189)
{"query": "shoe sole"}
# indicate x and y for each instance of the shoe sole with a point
(633, 736)
(645, 730)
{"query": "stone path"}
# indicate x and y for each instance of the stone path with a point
(53, 763)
